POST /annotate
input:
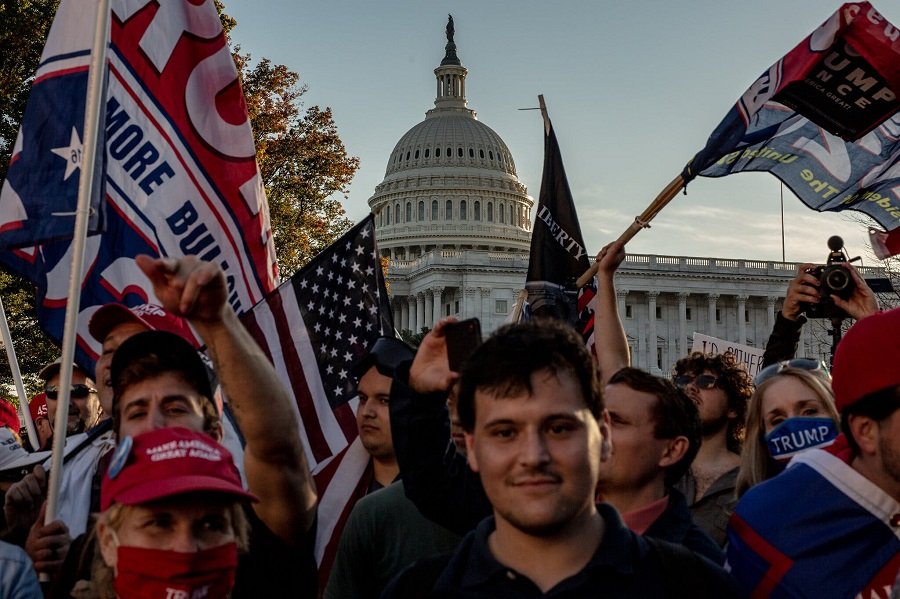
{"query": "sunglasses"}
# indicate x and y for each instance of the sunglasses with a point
(816, 367)
(78, 391)
(703, 381)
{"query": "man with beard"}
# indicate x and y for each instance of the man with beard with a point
(721, 389)
(84, 403)
(827, 526)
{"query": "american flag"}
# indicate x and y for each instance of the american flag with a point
(314, 328)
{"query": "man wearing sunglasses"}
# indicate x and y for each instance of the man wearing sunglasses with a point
(84, 403)
(721, 389)
(827, 526)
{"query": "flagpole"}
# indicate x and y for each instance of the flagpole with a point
(82, 213)
(24, 411)
(544, 114)
(640, 222)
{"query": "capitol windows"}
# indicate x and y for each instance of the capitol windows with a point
(658, 313)
(434, 210)
(503, 213)
(459, 152)
(408, 211)
(629, 311)
(449, 152)
(437, 152)
(471, 153)
(462, 210)
(426, 152)
(477, 210)
(397, 214)
(449, 212)
(491, 154)
(490, 211)
(388, 215)
(481, 153)
(687, 314)
(421, 211)
(501, 307)
(407, 155)
(417, 155)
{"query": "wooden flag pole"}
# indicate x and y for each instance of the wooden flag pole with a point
(640, 222)
(93, 107)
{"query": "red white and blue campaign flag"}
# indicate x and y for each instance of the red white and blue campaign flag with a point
(558, 256)
(40, 193)
(180, 172)
(314, 328)
(824, 120)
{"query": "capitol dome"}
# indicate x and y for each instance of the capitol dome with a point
(450, 182)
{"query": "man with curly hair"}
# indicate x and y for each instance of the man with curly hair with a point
(721, 388)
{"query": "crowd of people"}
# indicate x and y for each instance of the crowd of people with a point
(542, 468)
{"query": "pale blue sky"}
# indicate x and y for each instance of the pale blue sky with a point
(634, 88)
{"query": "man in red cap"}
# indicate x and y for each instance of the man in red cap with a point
(829, 525)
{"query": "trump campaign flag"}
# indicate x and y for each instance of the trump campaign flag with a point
(558, 256)
(824, 120)
(179, 168)
(314, 328)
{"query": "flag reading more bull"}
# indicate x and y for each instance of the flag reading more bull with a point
(180, 174)
(558, 256)
(824, 120)
(314, 328)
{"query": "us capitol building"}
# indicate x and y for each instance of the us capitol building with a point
(455, 222)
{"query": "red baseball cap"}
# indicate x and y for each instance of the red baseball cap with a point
(151, 316)
(866, 358)
(9, 416)
(38, 407)
(169, 462)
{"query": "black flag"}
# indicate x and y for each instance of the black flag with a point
(558, 256)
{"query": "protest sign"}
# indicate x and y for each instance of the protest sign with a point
(750, 357)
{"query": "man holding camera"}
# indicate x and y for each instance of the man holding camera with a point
(804, 293)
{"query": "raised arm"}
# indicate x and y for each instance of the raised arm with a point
(274, 461)
(610, 342)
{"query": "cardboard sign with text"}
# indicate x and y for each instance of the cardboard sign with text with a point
(750, 357)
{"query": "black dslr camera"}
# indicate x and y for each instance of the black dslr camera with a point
(834, 279)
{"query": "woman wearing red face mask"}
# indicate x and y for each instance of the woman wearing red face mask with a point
(172, 521)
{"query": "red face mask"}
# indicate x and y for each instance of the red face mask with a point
(158, 574)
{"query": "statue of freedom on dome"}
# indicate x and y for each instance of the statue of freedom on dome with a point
(450, 29)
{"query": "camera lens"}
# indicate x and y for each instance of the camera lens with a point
(837, 279)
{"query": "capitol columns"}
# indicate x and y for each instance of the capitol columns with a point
(621, 294)
(770, 311)
(468, 302)
(651, 330)
(409, 319)
(420, 311)
(405, 304)
(682, 324)
(436, 304)
(485, 305)
(711, 299)
(398, 313)
(742, 317)
(428, 313)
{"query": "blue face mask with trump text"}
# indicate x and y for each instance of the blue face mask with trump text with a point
(796, 435)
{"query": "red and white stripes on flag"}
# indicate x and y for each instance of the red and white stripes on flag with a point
(314, 328)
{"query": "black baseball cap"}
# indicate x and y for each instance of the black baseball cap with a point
(386, 355)
(174, 353)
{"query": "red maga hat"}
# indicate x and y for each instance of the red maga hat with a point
(866, 358)
(169, 462)
(38, 407)
(151, 316)
(9, 416)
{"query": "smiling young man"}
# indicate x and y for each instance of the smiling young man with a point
(536, 433)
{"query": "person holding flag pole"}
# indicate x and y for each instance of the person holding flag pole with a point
(82, 213)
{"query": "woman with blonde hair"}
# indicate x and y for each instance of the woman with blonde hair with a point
(792, 410)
